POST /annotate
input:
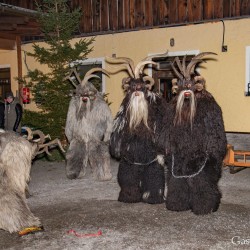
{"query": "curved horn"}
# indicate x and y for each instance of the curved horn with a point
(191, 66)
(85, 80)
(96, 70)
(73, 71)
(45, 147)
(177, 60)
(197, 59)
(184, 65)
(140, 66)
(125, 62)
(30, 134)
(121, 60)
(200, 55)
(89, 73)
(176, 71)
(155, 56)
(126, 67)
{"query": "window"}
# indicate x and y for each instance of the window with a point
(85, 65)
(165, 75)
(5, 85)
(247, 85)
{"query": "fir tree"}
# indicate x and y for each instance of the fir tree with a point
(51, 92)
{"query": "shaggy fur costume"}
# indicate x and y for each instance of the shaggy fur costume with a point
(16, 155)
(88, 128)
(140, 176)
(195, 144)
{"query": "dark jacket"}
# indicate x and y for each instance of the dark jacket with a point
(13, 115)
(1, 115)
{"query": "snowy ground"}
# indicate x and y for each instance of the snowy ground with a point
(87, 206)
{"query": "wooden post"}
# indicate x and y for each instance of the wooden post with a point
(19, 65)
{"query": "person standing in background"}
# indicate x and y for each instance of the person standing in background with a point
(13, 113)
(2, 107)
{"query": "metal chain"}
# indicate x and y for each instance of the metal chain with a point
(138, 163)
(188, 176)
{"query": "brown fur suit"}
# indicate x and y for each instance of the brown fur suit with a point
(15, 162)
(195, 143)
(135, 134)
(88, 128)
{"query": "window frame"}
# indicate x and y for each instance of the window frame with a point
(247, 79)
(93, 61)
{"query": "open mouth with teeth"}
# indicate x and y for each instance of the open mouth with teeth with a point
(187, 94)
(85, 98)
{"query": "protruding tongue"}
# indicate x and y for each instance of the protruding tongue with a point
(187, 94)
(84, 99)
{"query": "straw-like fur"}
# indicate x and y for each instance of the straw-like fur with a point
(15, 162)
(195, 149)
(133, 141)
(88, 128)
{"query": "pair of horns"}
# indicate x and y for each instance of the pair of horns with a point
(134, 71)
(184, 72)
(43, 146)
(87, 76)
(128, 64)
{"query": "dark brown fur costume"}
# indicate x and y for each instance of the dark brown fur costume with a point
(194, 155)
(140, 176)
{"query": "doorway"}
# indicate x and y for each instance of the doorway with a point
(5, 84)
(163, 77)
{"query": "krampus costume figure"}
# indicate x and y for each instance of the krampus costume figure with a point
(195, 143)
(88, 128)
(16, 154)
(15, 162)
(133, 140)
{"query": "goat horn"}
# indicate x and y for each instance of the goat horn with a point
(96, 70)
(89, 73)
(176, 71)
(184, 65)
(124, 67)
(140, 66)
(197, 59)
(76, 75)
(85, 80)
(121, 60)
(41, 135)
(203, 54)
(191, 66)
(124, 63)
(177, 60)
(45, 147)
(30, 134)
(155, 56)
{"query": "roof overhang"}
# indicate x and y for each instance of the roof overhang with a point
(16, 22)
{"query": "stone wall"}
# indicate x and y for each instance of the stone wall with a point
(240, 141)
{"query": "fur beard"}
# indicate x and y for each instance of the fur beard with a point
(83, 109)
(138, 110)
(185, 109)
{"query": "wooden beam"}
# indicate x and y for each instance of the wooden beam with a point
(13, 20)
(8, 27)
(19, 61)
